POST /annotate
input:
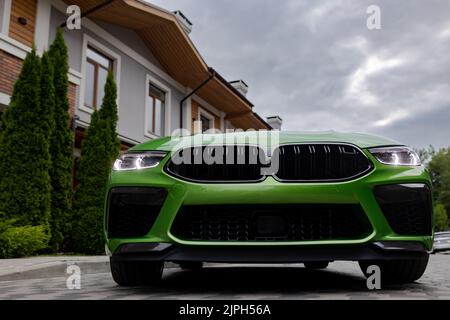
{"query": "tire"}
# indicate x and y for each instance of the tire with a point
(398, 271)
(136, 273)
(316, 265)
(191, 266)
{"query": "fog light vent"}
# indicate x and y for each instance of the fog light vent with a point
(407, 208)
(133, 211)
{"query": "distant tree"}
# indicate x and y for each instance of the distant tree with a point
(441, 218)
(61, 148)
(24, 150)
(439, 168)
(426, 154)
(99, 149)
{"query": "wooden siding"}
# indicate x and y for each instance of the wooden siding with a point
(10, 67)
(27, 10)
(217, 123)
(194, 110)
(72, 96)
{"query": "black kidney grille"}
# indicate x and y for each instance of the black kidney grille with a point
(321, 162)
(133, 211)
(407, 208)
(271, 223)
(228, 164)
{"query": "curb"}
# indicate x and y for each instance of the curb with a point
(58, 270)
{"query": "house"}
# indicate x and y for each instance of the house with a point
(163, 81)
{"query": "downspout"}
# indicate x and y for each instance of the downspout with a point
(212, 74)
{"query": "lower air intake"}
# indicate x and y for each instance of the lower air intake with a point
(271, 223)
(407, 208)
(133, 211)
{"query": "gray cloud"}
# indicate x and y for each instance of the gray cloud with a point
(316, 64)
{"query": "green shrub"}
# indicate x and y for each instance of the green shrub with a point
(439, 168)
(21, 241)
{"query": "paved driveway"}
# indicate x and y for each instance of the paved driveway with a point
(342, 280)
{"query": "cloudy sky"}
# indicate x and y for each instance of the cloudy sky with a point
(317, 65)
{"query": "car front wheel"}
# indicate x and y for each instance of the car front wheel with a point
(398, 271)
(136, 273)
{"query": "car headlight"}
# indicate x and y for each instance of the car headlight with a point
(396, 156)
(138, 161)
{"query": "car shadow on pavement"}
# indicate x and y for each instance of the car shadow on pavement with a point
(244, 280)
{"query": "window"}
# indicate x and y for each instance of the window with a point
(206, 123)
(207, 120)
(156, 105)
(97, 68)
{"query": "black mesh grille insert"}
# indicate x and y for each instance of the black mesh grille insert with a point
(225, 164)
(133, 211)
(271, 223)
(321, 162)
(407, 208)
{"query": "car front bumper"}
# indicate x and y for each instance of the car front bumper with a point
(181, 193)
(392, 250)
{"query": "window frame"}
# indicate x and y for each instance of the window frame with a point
(114, 57)
(207, 109)
(203, 113)
(5, 16)
(97, 66)
(151, 127)
(207, 125)
(167, 107)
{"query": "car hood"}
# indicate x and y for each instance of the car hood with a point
(267, 139)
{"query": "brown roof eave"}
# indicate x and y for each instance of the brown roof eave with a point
(229, 86)
(262, 120)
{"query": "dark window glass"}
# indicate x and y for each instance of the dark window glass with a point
(156, 110)
(206, 123)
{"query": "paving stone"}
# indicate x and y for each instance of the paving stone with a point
(341, 281)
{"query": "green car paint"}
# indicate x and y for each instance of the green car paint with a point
(270, 191)
(358, 139)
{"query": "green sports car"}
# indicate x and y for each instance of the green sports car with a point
(269, 197)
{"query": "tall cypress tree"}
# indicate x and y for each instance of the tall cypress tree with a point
(61, 147)
(98, 152)
(108, 112)
(24, 150)
(47, 97)
(47, 114)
